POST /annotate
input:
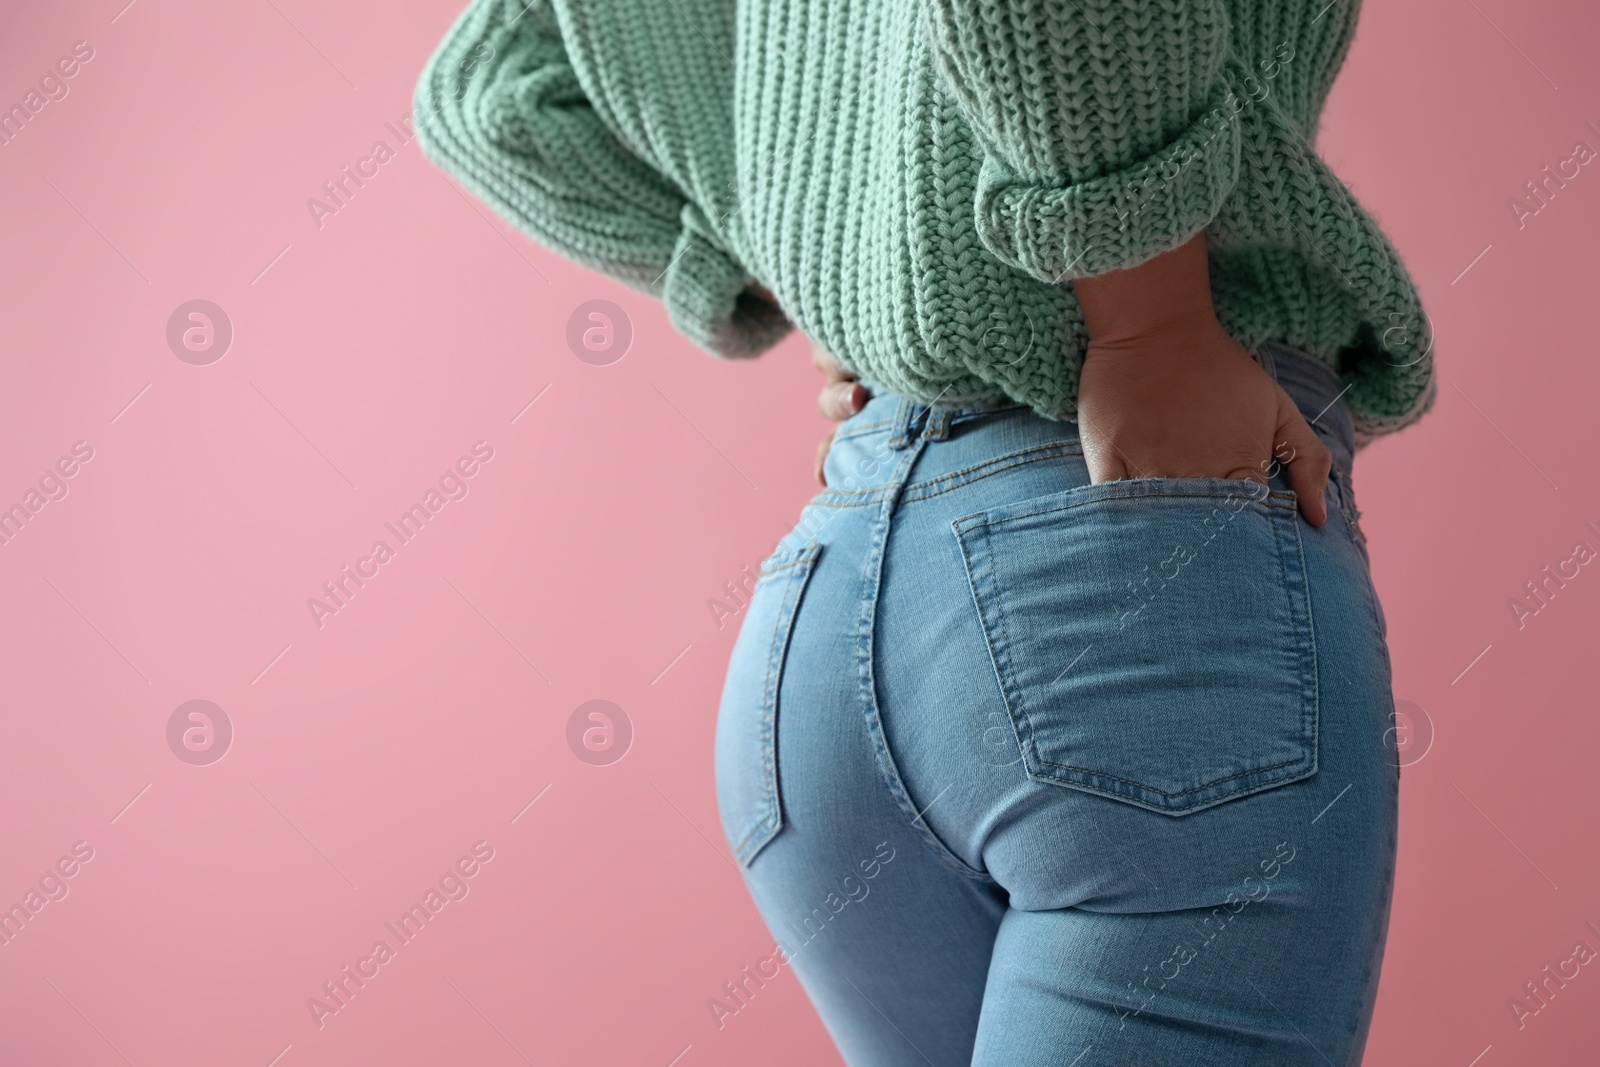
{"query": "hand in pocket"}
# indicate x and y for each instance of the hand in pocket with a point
(1165, 392)
(1188, 402)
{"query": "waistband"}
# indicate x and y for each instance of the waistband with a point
(1310, 382)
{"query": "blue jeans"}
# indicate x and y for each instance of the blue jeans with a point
(1026, 771)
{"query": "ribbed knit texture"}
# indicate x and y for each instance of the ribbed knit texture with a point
(919, 181)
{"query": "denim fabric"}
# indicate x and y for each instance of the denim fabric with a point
(1024, 771)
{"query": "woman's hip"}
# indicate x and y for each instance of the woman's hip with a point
(1183, 660)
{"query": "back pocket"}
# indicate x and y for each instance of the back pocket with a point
(748, 798)
(1152, 638)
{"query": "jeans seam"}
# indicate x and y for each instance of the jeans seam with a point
(1375, 940)
(1143, 788)
(1022, 721)
(818, 502)
(967, 475)
(788, 610)
(867, 496)
(866, 641)
(782, 566)
(1311, 689)
(1347, 503)
(920, 491)
(863, 430)
(1273, 499)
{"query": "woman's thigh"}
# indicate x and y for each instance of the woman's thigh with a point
(890, 940)
(1157, 716)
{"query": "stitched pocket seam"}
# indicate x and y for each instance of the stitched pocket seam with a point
(979, 553)
(758, 835)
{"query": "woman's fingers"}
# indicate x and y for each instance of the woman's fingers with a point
(1104, 461)
(1308, 459)
(841, 397)
(840, 400)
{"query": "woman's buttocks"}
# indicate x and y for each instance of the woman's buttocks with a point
(1181, 666)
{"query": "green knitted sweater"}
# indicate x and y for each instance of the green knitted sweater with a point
(919, 181)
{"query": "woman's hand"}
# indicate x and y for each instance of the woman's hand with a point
(1166, 393)
(1185, 401)
(841, 397)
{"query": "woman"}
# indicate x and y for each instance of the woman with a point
(1058, 728)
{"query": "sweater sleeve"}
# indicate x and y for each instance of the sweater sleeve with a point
(500, 108)
(1108, 128)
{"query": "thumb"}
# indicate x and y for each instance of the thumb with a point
(1308, 460)
(1105, 461)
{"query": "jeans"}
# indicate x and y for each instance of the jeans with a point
(1024, 771)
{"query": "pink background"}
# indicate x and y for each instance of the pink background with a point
(425, 716)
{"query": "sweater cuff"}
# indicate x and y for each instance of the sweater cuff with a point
(1057, 232)
(706, 293)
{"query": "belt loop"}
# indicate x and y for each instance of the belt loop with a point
(907, 420)
(938, 425)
